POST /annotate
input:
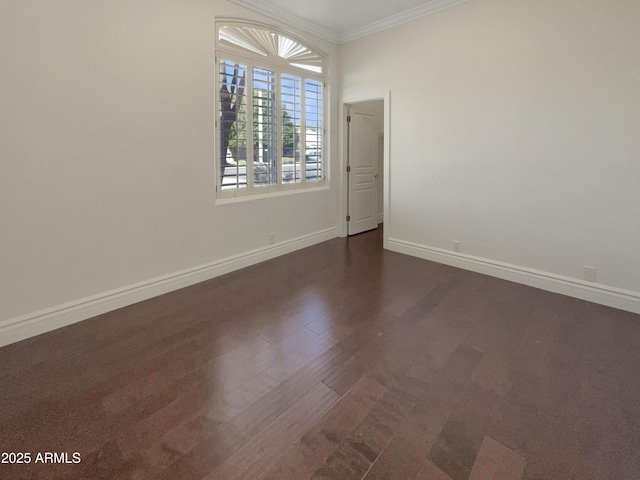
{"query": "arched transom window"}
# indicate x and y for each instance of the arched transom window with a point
(270, 108)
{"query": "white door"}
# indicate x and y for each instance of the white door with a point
(363, 163)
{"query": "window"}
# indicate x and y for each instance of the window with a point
(270, 109)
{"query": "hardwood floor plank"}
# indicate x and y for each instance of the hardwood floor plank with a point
(234, 433)
(302, 459)
(342, 378)
(456, 449)
(256, 455)
(497, 462)
(400, 460)
(423, 416)
(236, 396)
(493, 372)
(240, 377)
(396, 429)
(430, 472)
(156, 381)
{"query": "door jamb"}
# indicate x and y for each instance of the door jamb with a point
(343, 205)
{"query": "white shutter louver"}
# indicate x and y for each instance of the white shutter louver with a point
(271, 44)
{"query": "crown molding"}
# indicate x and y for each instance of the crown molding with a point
(429, 8)
(269, 10)
(272, 11)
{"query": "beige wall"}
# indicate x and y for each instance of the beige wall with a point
(107, 150)
(515, 130)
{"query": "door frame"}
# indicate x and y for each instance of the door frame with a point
(343, 206)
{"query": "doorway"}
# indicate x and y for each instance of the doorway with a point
(365, 126)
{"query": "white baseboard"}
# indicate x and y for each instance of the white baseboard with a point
(25, 326)
(380, 218)
(602, 294)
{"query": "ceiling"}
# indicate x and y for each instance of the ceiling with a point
(340, 21)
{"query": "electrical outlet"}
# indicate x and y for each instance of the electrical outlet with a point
(588, 273)
(272, 238)
(456, 245)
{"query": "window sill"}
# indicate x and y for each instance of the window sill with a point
(263, 196)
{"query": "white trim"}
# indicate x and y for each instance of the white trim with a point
(602, 294)
(380, 218)
(272, 11)
(429, 8)
(386, 186)
(282, 28)
(234, 49)
(32, 324)
(343, 187)
(290, 190)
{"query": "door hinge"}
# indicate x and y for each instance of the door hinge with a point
(348, 218)
(348, 118)
(348, 168)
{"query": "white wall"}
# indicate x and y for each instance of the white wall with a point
(515, 130)
(107, 148)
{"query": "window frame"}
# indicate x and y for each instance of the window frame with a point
(279, 66)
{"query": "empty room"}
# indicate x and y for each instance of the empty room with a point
(330, 240)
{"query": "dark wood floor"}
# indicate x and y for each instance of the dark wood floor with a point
(336, 362)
